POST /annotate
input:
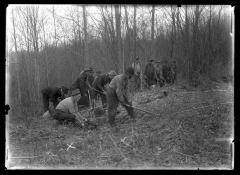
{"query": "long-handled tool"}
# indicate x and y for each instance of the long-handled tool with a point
(165, 94)
(142, 110)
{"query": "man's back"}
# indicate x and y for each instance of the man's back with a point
(101, 81)
(118, 81)
(66, 105)
(81, 84)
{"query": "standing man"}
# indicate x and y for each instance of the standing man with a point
(90, 77)
(98, 86)
(159, 75)
(137, 70)
(117, 92)
(167, 72)
(149, 73)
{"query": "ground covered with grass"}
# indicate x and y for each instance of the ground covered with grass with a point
(192, 128)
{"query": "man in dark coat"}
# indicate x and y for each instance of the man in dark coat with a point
(117, 92)
(82, 83)
(137, 70)
(91, 77)
(98, 73)
(159, 73)
(54, 95)
(98, 86)
(149, 73)
(167, 72)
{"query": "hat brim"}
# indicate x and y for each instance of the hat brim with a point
(75, 94)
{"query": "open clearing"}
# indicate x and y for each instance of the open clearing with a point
(194, 130)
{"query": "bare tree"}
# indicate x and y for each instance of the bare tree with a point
(118, 32)
(187, 42)
(109, 36)
(128, 38)
(54, 24)
(16, 50)
(86, 57)
(209, 39)
(173, 32)
(44, 50)
(152, 28)
(134, 33)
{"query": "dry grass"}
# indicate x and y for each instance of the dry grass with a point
(184, 136)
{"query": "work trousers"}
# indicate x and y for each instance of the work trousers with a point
(103, 97)
(112, 104)
(63, 116)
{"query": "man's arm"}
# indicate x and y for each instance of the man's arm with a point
(79, 117)
(75, 112)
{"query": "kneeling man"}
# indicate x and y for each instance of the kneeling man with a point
(67, 110)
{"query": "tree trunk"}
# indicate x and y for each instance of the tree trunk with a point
(209, 42)
(173, 32)
(118, 32)
(187, 55)
(152, 29)
(45, 53)
(134, 34)
(194, 56)
(86, 57)
(128, 44)
(18, 62)
(54, 24)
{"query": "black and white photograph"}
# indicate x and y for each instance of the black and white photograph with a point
(119, 87)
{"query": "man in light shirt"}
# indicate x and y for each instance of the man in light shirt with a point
(67, 110)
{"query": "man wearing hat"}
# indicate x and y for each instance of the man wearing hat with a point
(137, 70)
(149, 73)
(159, 73)
(117, 92)
(97, 74)
(90, 77)
(98, 86)
(82, 83)
(136, 66)
(67, 109)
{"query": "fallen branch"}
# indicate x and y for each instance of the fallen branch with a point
(142, 110)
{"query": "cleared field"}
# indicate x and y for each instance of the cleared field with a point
(194, 130)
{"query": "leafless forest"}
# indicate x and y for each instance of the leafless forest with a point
(49, 46)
